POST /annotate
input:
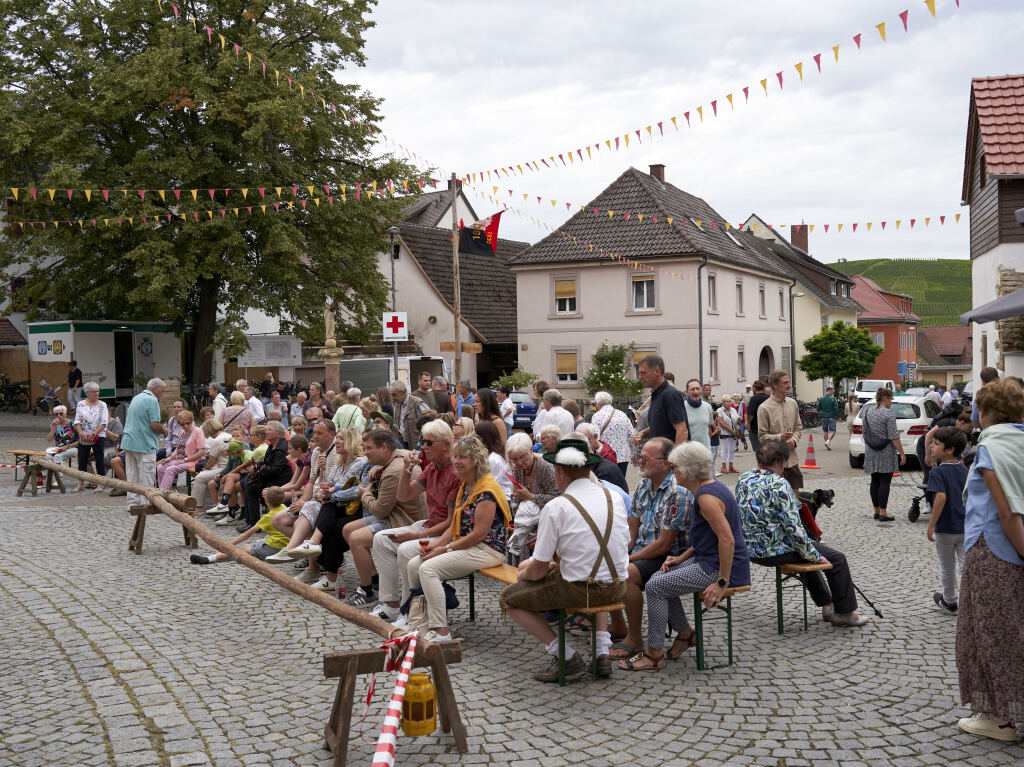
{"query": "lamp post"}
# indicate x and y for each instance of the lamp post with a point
(394, 306)
(792, 339)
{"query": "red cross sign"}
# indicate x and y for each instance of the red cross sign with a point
(395, 326)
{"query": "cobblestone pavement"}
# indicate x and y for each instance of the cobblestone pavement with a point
(114, 659)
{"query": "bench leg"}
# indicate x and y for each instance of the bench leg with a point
(140, 532)
(561, 648)
(472, 598)
(778, 598)
(336, 732)
(728, 623)
(698, 627)
(24, 481)
(803, 585)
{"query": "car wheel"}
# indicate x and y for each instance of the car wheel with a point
(856, 461)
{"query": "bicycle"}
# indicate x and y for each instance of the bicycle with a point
(14, 396)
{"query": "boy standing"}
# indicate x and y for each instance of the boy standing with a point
(946, 528)
(273, 543)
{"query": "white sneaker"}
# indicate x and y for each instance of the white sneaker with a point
(385, 612)
(985, 724)
(401, 622)
(827, 612)
(220, 508)
(433, 636)
(324, 585)
(225, 521)
(284, 555)
(308, 576)
(306, 549)
(851, 619)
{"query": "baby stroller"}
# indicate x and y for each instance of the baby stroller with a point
(49, 400)
(916, 502)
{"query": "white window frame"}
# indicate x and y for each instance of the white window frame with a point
(712, 293)
(569, 378)
(557, 313)
(713, 363)
(833, 287)
(651, 293)
(741, 364)
(739, 297)
(762, 301)
(878, 338)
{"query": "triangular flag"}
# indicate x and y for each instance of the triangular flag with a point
(869, 226)
(958, 215)
(817, 60)
(931, 7)
(927, 221)
(163, 196)
(51, 192)
(746, 94)
(106, 195)
(881, 30)
(809, 226)
(194, 193)
(142, 194)
(835, 50)
(70, 192)
(839, 227)
(764, 84)
(177, 194)
(903, 18)
(14, 191)
(714, 107)
(942, 220)
(729, 97)
(855, 228)
(245, 192)
(700, 113)
(222, 40)
(211, 191)
(779, 75)
(800, 70)
(912, 221)
(856, 39)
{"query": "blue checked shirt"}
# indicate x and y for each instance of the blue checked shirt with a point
(669, 506)
(770, 513)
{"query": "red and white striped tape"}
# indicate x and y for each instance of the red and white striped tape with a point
(384, 756)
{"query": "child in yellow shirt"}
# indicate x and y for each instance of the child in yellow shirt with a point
(273, 543)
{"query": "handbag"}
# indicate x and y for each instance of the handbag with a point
(354, 506)
(872, 441)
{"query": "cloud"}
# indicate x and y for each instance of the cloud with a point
(878, 136)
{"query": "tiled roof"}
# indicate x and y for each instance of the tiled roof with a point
(9, 335)
(875, 305)
(635, 192)
(936, 342)
(998, 105)
(428, 207)
(488, 286)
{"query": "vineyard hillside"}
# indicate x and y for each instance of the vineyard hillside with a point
(941, 288)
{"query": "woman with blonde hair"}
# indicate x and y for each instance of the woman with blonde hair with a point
(463, 427)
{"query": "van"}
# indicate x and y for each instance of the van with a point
(865, 389)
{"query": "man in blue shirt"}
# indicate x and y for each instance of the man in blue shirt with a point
(666, 414)
(141, 437)
(465, 397)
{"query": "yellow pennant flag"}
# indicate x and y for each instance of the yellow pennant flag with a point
(193, 20)
(640, 216)
(869, 226)
(236, 212)
(277, 77)
(131, 221)
(51, 193)
(674, 124)
(291, 205)
(649, 135)
(840, 227)
(627, 140)
(958, 218)
(835, 50)
(927, 221)
(495, 189)
(163, 196)
(700, 111)
(316, 201)
(88, 195)
(372, 184)
(194, 192)
(249, 57)
(278, 190)
(209, 213)
(525, 195)
(728, 226)
(608, 143)
(14, 191)
(764, 84)
(800, 70)
(755, 228)
(881, 30)
(124, 192)
(670, 220)
(264, 209)
(897, 223)
(310, 190)
(245, 192)
(56, 225)
(80, 225)
(611, 213)
(302, 90)
(811, 227)
(222, 41)
(729, 97)
(520, 167)
(698, 223)
(931, 7)
(183, 217)
(106, 222)
(554, 203)
(588, 153)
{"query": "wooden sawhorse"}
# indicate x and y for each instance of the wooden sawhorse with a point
(53, 479)
(140, 513)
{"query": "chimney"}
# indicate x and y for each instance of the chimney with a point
(658, 172)
(798, 236)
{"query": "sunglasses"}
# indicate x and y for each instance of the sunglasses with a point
(428, 443)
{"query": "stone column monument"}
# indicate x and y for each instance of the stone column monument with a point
(330, 354)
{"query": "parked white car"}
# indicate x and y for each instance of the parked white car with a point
(865, 389)
(913, 417)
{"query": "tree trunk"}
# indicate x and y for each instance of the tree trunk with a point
(205, 327)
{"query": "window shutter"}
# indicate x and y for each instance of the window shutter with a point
(565, 363)
(565, 288)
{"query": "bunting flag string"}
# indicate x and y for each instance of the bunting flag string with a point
(337, 111)
(657, 129)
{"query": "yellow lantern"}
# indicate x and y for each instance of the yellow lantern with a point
(419, 709)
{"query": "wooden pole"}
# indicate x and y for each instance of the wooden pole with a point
(183, 502)
(456, 286)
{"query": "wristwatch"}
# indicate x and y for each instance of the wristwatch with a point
(722, 583)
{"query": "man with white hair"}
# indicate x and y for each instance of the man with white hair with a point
(254, 406)
(587, 526)
(555, 413)
(142, 432)
(408, 409)
(933, 395)
(350, 414)
(614, 429)
(219, 400)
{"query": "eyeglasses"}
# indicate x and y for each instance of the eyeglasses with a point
(520, 457)
(645, 459)
(428, 443)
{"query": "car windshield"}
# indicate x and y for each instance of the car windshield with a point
(869, 385)
(904, 411)
(916, 391)
(520, 399)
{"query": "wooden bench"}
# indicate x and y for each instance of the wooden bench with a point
(508, 574)
(699, 611)
(784, 573)
(28, 458)
(22, 458)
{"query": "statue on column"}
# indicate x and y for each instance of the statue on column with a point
(329, 324)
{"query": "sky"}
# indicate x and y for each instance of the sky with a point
(880, 135)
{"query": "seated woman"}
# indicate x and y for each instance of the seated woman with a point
(463, 427)
(191, 447)
(500, 470)
(533, 486)
(63, 436)
(716, 560)
(300, 458)
(477, 538)
(216, 460)
(770, 512)
(549, 436)
(237, 414)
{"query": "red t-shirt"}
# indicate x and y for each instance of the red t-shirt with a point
(442, 485)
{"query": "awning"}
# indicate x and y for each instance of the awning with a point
(1010, 305)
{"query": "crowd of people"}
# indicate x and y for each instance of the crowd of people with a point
(427, 486)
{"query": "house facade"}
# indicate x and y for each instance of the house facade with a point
(945, 355)
(821, 296)
(993, 187)
(889, 318)
(715, 306)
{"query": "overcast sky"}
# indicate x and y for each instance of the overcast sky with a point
(879, 135)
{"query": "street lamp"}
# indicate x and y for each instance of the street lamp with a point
(394, 307)
(792, 339)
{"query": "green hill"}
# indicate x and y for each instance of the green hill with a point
(941, 288)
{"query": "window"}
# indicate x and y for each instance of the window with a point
(739, 297)
(643, 292)
(984, 349)
(565, 296)
(832, 287)
(713, 363)
(712, 294)
(565, 366)
(761, 308)
(639, 354)
(734, 240)
(785, 359)
(846, 291)
(741, 368)
(782, 305)
(879, 338)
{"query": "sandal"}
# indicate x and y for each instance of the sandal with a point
(633, 664)
(578, 626)
(683, 644)
(624, 651)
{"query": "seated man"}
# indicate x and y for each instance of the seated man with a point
(659, 521)
(272, 471)
(606, 470)
(381, 500)
(392, 549)
(577, 525)
(770, 513)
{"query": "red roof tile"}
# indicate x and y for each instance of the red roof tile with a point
(935, 343)
(998, 104)
(876, 306)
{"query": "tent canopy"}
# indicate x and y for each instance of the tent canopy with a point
(1010, 305)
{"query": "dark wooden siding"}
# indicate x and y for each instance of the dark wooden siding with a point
(984, 202)
(1011, 198)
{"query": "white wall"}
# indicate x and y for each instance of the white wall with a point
(984, 286)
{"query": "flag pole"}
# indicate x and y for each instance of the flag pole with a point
(457, 289)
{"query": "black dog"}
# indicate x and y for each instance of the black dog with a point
(816, 499)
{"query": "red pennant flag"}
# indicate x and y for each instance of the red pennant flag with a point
(538, 199)
(168, 219)
(175, 10)
(295, 190)
(211, 193)
(195, 215)
(826, 228)
(545, 162)
(660, 129)
(70, 192)
(595, 211)
(714, 107)
(796, 227)
(236, 51)
(942, 220)
(560, 158)
(177, 194)
(627, 216)
(779, 75)
(222, 212)
(106, 194)
(33, 193)
(903, 18)
(248, 209)
(817, 60)
(854, 227)
(567, 206)
(616, 145)
(912, 222)
(883, 225)
(746, 94)
(303, 203)
(856, 39)
(580, 153)
(687, 116)
(713, 225)
(209, 34)
(143, 219)
(638, 136)
(142, 194)
(277, 206)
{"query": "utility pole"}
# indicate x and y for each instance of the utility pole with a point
(394, 305)
(457, 288)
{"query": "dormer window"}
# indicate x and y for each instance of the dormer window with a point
(832, 287)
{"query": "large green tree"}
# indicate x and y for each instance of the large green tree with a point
(839, 352)
(118, 94)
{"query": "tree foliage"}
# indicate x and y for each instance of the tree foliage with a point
(518, 379)
(119, 95)
(839, 352)
(609, 371)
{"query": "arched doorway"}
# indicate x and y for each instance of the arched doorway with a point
(766, 362)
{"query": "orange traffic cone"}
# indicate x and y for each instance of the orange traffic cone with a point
(810, 462)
